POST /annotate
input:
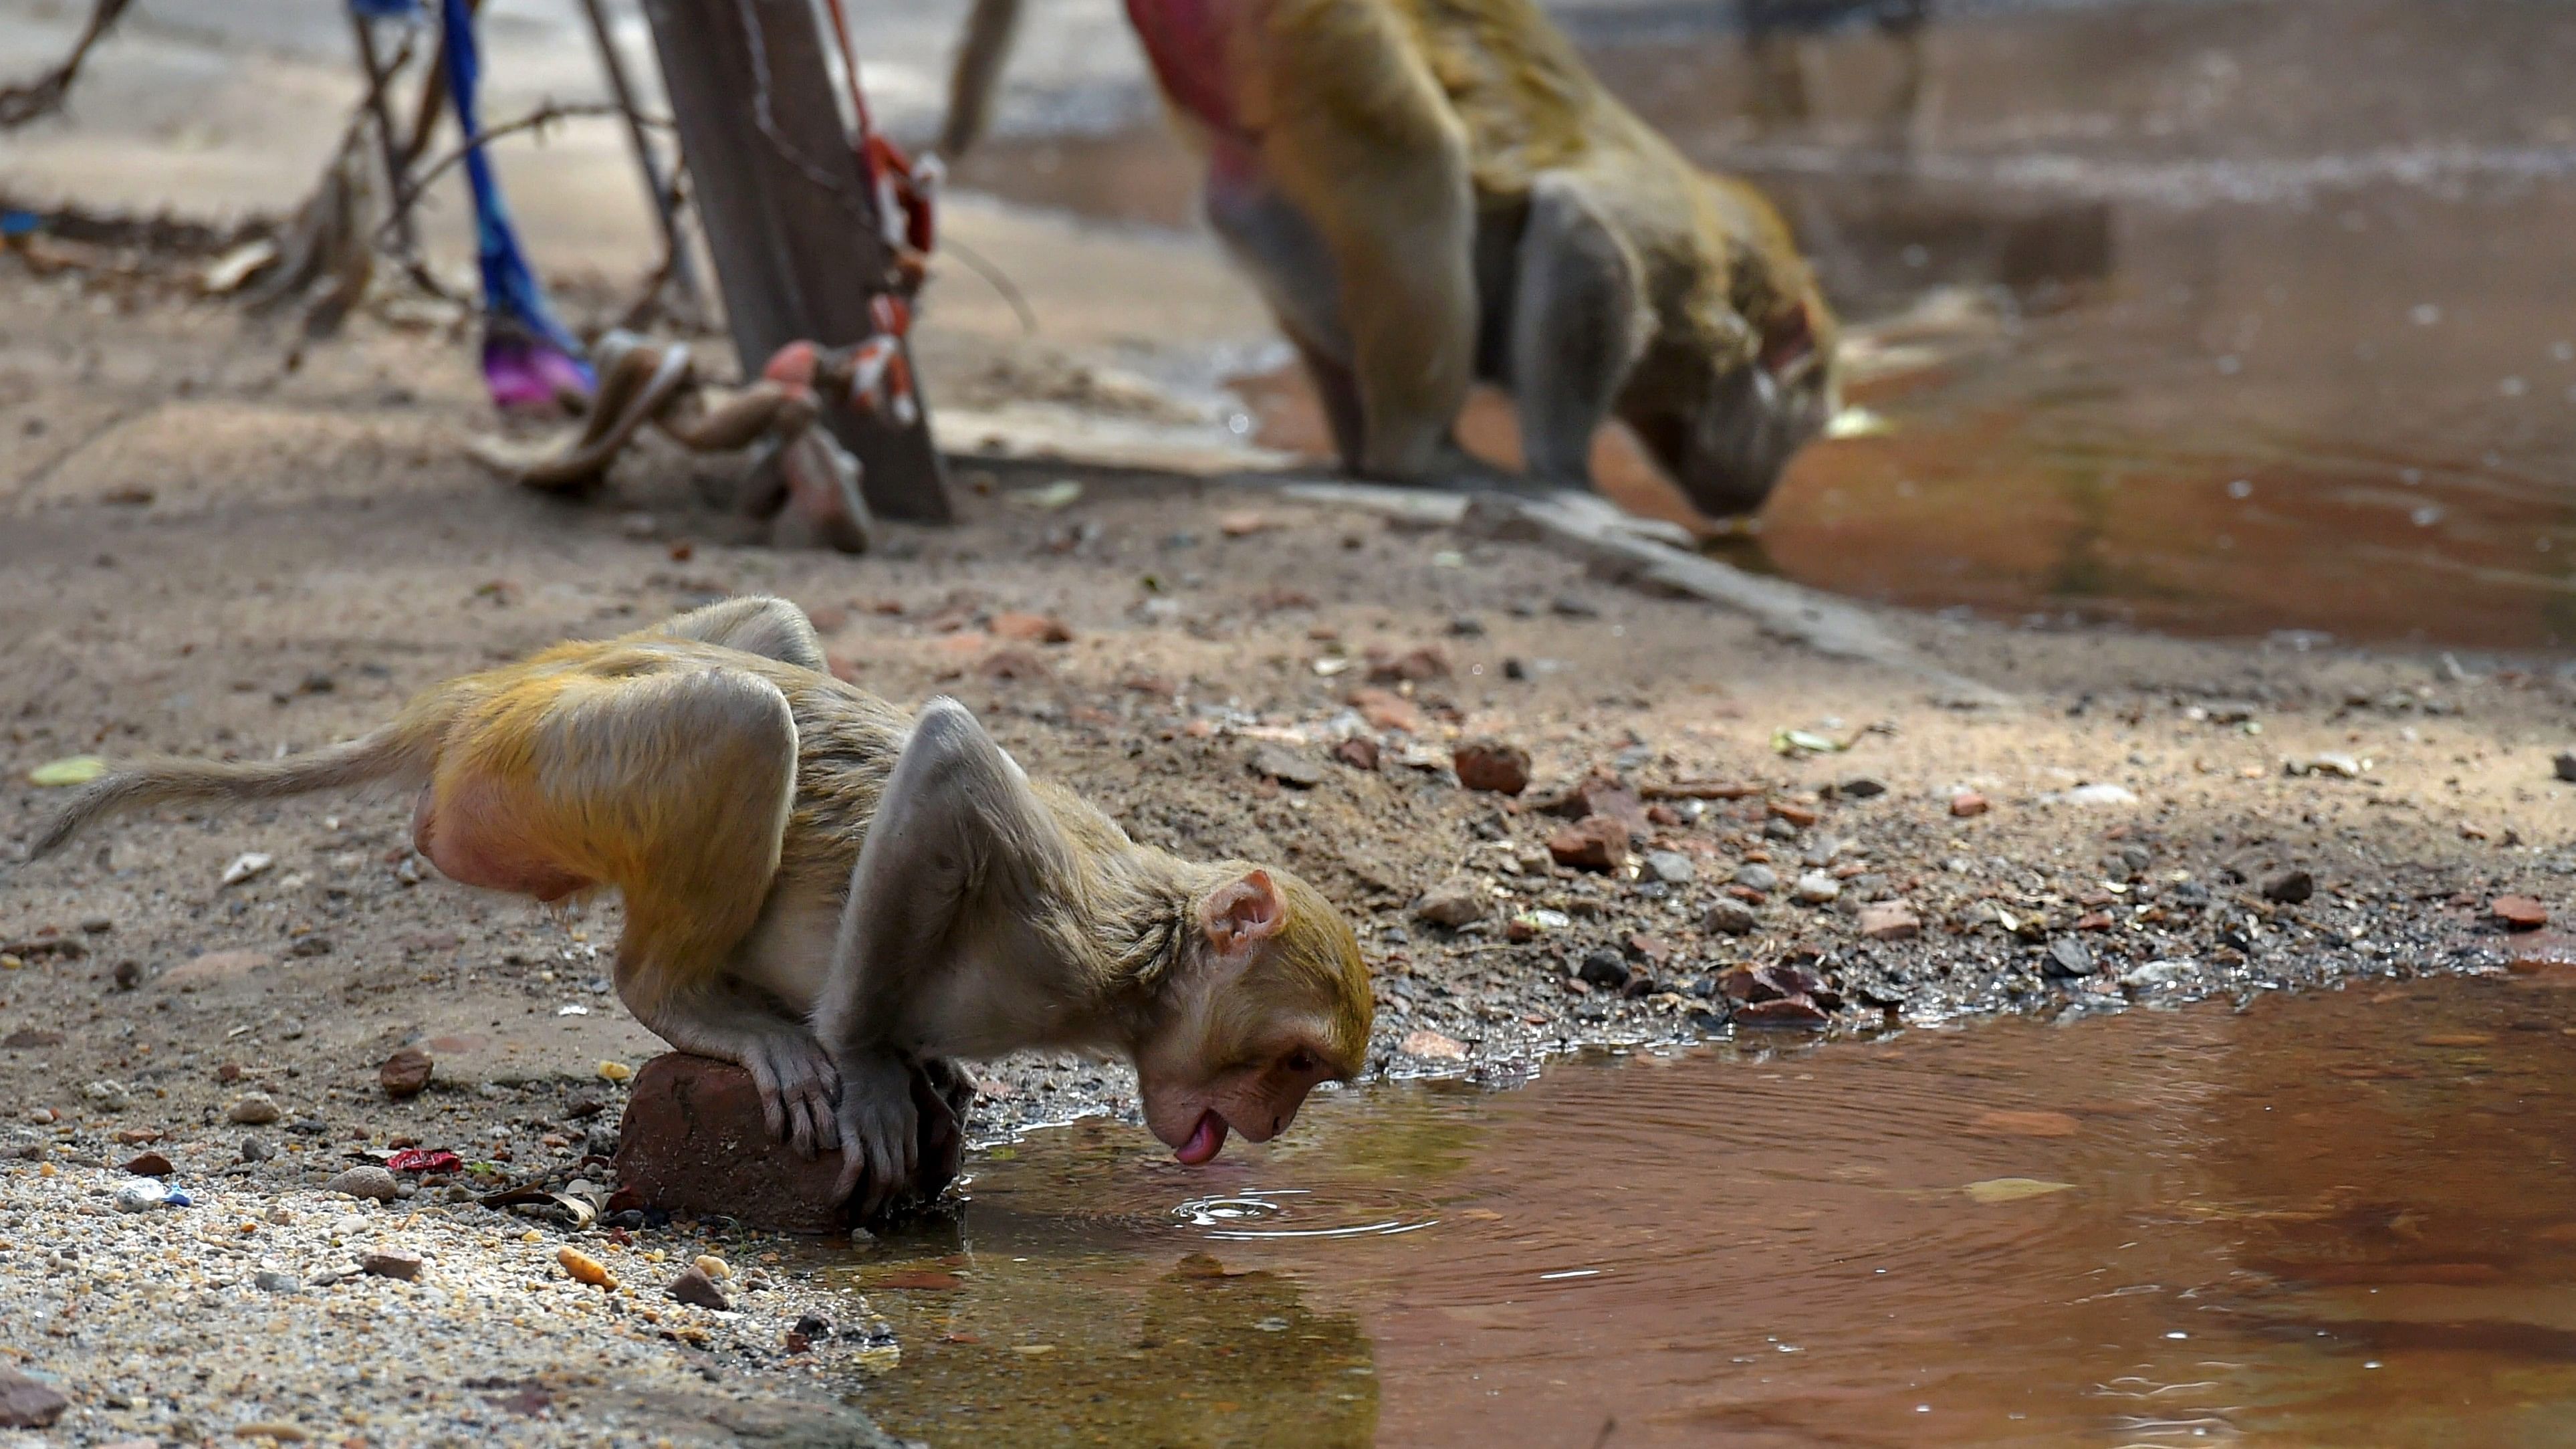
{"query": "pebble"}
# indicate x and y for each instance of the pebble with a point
(2519, 913)
(697, 1287)
(114, 1096)
(1792, 1012)
(2067, 959)
(2290, 887)
(1967, 804)
(1359, 752)
(365, 1182)
(2099, 794)
(1492, 766)
(2565, 765)
(246, 865)
(1433, 1046)
(1287, 766)
(1597, 842)
(1670, 866)
(712, 1266)
(254, 1150)
(1603, 969)
(406, 1073)
(404, 1266)
(2344, 766)
(1890, 921)
(269, 1280)
(1458, 901)
(584, 1268)
(1861, 787)
(149, 1164)
(1755, 876)
(2154, 974)
(1802, 816)
(615, 1072)
(1817, 887)
(27, 1403)
(1730, 917)
(253, 1109)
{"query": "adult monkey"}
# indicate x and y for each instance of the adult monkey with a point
(827, 892)
(1432, 191)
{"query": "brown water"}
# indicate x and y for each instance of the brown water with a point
(2346, 1218)
(2287, 332)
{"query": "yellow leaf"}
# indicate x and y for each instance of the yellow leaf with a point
(2013, 1189)
(72, 770)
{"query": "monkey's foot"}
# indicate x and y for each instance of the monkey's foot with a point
(880, 1129)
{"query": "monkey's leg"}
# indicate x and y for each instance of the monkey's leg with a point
(675, 789)
(1363, 145)
(1339, 394)
(754, 624)
(957, 825)
(1578, 321)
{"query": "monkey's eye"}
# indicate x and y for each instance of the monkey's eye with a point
(1301, 1061)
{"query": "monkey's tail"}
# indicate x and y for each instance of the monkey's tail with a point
(401, 749)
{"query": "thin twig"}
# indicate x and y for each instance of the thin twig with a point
(1000, 280)
(45, 94)
(543, 116)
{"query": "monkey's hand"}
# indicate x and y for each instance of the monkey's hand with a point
(880, 1128)
(797, 1084)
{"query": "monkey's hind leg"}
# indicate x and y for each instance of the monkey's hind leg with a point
(1578, 322)
(675, 789)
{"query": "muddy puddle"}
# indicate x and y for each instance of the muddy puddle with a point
(2339, 1218)
(2270, 326)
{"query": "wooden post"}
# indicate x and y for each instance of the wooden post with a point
(787, 214)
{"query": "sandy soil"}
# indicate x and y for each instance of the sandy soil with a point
(206, 553)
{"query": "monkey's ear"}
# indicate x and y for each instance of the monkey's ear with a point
(1243, 912)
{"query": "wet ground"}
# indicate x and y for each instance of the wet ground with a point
(2287, 338)
(2330, 1218)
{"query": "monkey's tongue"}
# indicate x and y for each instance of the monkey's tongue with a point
(1206, 1140)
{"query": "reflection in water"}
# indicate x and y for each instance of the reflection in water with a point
(2269, 321)
(2342, 1218)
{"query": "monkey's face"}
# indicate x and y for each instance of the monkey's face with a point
(1272, 1000)
(1726, 446)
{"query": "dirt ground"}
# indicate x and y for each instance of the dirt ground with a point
(206, 554)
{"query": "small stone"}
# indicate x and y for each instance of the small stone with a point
(1434, 1046)
(143, 1194)
(583, 1268)
(1386, 710)
(1802, 816)
(1031, 628)
(1603, 969)
(114, 1096)
(1287, 766)
(2154, 974)
(1458, 901)
(1967, 804)
(27, 1403)
(1755, 876)
(2290, 887)
(406, 1073)
(697, 1288)
(1817, 887)
(1670, 866)
(2100, 793)
(1860, 787)
(127, 975)
(253, 1109)
(2519, 913)
(246, 865)
(1599, 842)
(27, 1037)
(614, 1072)
(2565, 765)
(1492, 766)
(1359, 752)
(1796, 1013)
(269, 1280)
(2067, 959)
(711, 1265)
(2339, 765)
(1729, 917)
(149, 1164)
(254, 1150)
(1415, 666)
(391, 1265)
(365, 1182)
(1889, 921)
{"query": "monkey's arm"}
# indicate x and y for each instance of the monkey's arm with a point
(1579, 319)
(950, 857)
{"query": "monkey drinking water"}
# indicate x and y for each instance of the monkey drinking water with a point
(1429, 192)
(827, 892)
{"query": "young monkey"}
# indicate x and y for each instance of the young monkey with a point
(825, 892)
